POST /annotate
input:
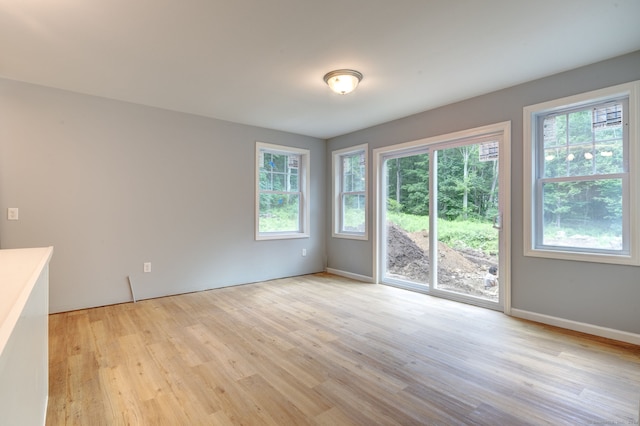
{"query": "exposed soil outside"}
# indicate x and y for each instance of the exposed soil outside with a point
(460, 271)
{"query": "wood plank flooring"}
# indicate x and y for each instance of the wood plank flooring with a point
(325, 350)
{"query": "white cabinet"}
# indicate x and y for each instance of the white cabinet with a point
(24, 321)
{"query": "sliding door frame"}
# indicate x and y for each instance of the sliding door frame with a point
(430, 144)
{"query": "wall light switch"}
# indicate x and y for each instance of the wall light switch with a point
(147, 267)
(12, 213)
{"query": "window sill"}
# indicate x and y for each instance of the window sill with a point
(351, 236)
(283, 236)
(583, 257)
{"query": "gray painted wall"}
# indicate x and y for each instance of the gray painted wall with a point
(598, 294)
(112, 185)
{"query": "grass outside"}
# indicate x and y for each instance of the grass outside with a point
(457, 234)
(594, 236)
(480, 235)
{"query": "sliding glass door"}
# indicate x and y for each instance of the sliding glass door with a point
(440, 215)
(406, 220)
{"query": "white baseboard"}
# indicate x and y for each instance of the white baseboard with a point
(345, 274)
(596, 330)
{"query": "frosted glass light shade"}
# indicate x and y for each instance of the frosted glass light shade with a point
(343, 81)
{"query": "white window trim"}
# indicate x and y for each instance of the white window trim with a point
(304, 184)
(630, 90)
(337, 189)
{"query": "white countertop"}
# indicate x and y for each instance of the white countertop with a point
(19, 271)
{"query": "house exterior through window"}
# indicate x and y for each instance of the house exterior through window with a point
(581, 161)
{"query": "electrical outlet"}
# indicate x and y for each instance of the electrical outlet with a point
(304, 252)
(147, 267)
(12, 213)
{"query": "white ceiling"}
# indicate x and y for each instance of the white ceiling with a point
(261, 62)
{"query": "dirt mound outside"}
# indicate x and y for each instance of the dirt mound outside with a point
(405, 257)
(461, 271)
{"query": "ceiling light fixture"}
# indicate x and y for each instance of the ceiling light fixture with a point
(343, 81)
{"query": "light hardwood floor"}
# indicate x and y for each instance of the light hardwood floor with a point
(324, 350)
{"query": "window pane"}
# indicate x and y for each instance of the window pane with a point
(347, 183)
(278, 182)
(609, 157)
(264, 181)
(353, 172)
(608, 116)
(353, 212)
(580, 160)
(603, 133)
(279, 213)
(293, 183)
(279, 172)
(274, 163)
(358, 182)
(608, 135)
(584, 214)
(555, 162)
(580, 127)
(584, 143)
(554, 131)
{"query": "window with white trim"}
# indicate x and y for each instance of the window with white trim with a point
(282, 192)
(350, 218)
(581, 159)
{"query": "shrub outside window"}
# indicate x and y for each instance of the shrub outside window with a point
(282, 187)
(581, 161)
(350, 192)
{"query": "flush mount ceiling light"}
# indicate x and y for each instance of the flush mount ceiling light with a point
(343, 81)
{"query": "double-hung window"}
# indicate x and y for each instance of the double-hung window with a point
(581, 158)
(282, 192)
(350, 192)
